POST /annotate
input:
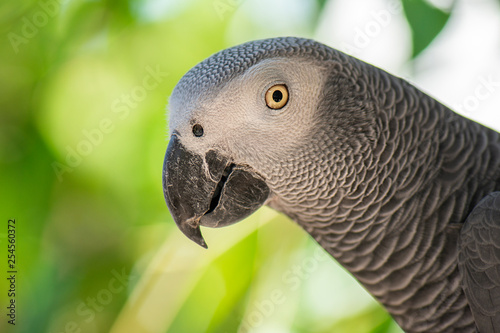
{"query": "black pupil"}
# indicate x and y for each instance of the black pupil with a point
(197, 130)
(277, 96)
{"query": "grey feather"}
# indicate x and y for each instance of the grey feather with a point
(479, 262)
(380, 174)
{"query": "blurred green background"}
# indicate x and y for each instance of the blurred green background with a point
(83, 132)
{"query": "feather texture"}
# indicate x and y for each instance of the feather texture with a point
(479, 262)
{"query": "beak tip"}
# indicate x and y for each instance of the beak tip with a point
(194, 234)
(200, 241)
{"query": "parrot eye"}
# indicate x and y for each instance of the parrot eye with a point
(277, 96)
(197, 130)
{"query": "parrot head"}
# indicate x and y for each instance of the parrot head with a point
(238, 121)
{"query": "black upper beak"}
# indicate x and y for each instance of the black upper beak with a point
(208, 190)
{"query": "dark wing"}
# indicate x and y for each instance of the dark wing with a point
(479, 262)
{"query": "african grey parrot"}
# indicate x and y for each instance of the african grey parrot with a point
(399, 189)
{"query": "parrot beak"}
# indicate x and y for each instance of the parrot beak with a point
(208, 190)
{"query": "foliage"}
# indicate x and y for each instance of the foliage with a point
(426, 22)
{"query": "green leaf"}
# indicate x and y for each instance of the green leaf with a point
(321, 4)
(426, 22)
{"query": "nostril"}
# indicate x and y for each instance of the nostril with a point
(198, 130)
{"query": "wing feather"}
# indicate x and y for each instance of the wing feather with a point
(479, 262)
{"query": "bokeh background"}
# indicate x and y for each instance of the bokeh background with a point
(84, 86)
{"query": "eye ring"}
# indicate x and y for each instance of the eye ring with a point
(277, 96)
(197, 130)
